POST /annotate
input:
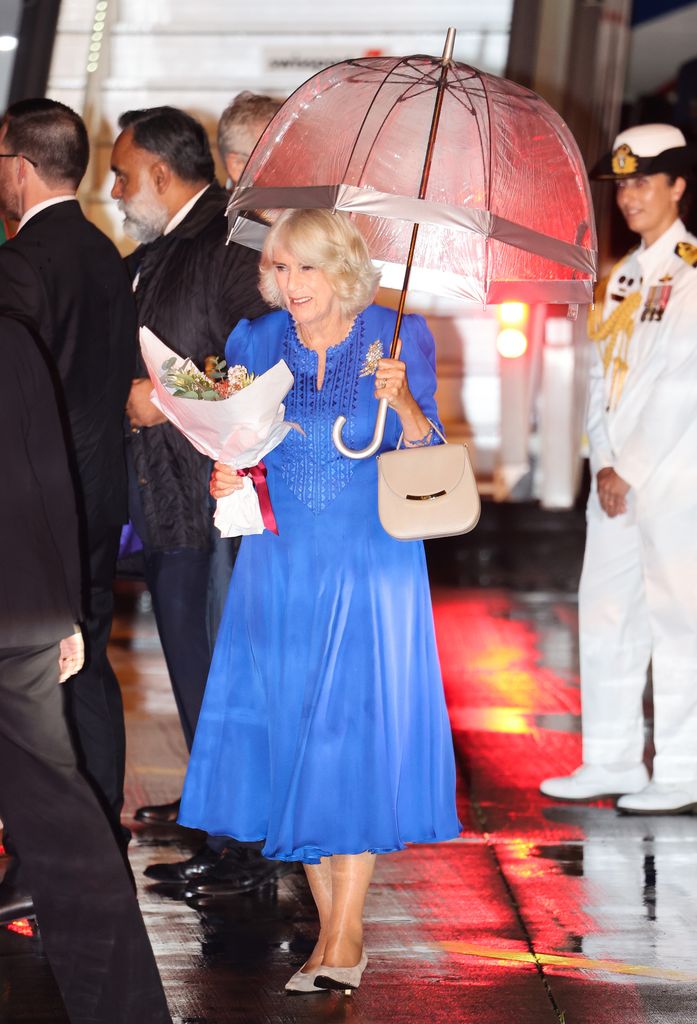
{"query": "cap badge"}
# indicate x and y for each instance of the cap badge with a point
(623, 160)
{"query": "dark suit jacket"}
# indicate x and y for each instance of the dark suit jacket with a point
(39, 558)
(65, 275)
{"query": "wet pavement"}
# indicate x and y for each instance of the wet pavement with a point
(541, 913)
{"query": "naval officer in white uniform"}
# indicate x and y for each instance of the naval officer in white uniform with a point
(638, 592)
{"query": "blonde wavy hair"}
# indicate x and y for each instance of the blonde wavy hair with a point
(332, 243)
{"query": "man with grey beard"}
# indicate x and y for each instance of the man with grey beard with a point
(190, 289)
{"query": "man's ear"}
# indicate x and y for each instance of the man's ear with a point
(234, 165)
(678, 188)
(22, 170)
(161, 175)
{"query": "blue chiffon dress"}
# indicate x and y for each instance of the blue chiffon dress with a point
(324, 728)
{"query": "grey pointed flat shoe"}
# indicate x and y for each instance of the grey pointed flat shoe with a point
(341, 979)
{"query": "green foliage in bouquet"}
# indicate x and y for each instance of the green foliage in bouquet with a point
(186, 381)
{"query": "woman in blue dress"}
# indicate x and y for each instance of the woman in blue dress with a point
(324, 730)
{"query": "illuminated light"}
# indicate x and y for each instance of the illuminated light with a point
(95, 47)
(22, 926)
(511, 343)
(97, 37)
(100, 17)
(512, 314)
(498, 720)
(8, 43)
(92, 67)
(102, 5)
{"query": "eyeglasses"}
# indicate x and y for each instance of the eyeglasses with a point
(23, 156)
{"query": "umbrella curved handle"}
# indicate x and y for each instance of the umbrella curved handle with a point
(378, 434)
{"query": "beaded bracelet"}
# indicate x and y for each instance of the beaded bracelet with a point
(422, 442)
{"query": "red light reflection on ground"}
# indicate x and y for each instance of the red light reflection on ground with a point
(488, 658)
(496, 686)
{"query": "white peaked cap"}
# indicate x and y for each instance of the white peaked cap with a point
(650, 139)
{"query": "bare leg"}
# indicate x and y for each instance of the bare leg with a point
(319, 877)
(350, 878)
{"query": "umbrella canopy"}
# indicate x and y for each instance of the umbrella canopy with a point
(505, 209)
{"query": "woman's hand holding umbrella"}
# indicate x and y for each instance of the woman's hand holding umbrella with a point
(391, 383)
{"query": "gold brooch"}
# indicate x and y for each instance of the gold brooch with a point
(372, 358)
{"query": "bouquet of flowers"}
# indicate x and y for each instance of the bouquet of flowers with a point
(230, 416)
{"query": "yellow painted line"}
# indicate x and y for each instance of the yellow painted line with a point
(578, 963)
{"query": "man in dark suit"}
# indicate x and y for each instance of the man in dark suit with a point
(92, 931)
(67, 278)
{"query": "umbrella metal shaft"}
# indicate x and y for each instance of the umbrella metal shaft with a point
(425, 174)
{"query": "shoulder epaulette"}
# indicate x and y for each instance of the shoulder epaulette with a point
(688, 252)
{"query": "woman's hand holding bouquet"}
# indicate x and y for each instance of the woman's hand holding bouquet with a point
(232, 417)
(225, 481)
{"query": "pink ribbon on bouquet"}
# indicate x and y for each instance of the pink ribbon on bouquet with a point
(257, 474)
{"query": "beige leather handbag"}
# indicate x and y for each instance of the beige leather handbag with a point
(427, 492)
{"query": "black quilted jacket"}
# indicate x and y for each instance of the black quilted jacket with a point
(192, 289)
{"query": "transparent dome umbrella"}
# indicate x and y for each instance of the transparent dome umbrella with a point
(462, 183)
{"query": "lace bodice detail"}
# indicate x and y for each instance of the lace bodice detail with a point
(311, 467)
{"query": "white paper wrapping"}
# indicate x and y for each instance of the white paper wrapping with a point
(239, 430)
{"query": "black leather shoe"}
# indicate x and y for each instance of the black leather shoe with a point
(231, 878)
(158, 814)
(184, 870)
(14, 903)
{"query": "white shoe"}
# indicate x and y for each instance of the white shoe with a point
(344, 979)
(594, 781)
(660, 798)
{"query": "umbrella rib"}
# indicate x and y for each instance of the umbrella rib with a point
(490, 175)
(402, 61)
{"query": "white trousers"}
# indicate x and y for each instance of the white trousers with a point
(638, 604)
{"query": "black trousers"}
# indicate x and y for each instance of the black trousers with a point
(178, 583)
(91, 927)
(188, 588)
(93, 697)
